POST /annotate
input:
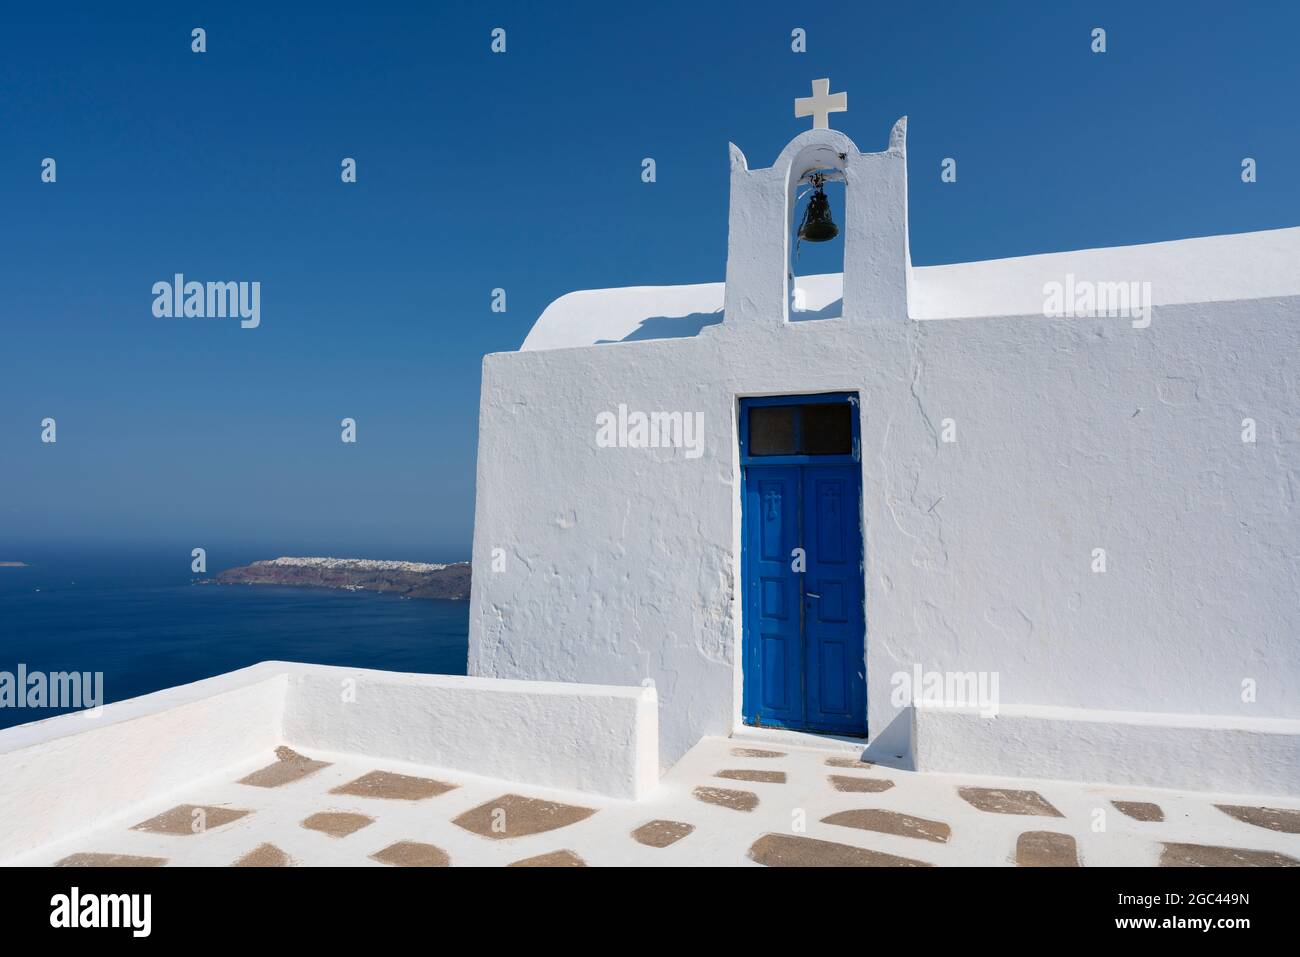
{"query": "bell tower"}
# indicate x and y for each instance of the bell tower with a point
(760, 227)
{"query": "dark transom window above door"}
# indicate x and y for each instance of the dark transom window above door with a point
(776, 429)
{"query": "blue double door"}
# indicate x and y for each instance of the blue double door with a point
(804, 626)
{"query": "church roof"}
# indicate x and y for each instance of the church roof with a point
(1258, 265)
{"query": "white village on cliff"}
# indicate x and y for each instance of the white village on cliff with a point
(984, 563)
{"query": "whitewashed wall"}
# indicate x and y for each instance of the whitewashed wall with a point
(72, 773)
(1072, 434)
(578, 737)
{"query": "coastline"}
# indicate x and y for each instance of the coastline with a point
(407, 579)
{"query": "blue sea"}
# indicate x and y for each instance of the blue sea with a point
(138, 618)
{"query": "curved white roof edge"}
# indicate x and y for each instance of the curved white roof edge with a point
(1238, 266)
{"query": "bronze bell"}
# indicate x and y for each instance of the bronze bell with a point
(817, 225)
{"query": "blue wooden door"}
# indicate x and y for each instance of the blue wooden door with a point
(774, 620)
(834, 665)
(802, 572)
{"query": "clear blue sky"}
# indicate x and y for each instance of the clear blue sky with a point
(521, 171)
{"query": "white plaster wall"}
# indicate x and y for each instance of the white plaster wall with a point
(1242, 266)
(1257, 756)
(68, 774)
(1073, 434)
(601, 740)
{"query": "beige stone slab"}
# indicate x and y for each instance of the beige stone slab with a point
(1003, 801)
(756, 753)
(1046, 849)
(1272, 818)
(892, 822)
(553, 859)
(854, 763)
(1140, 810)
(857, 785)
(91, 859)
(1205, 855)
(289, 766)
(185, 820)
(412, 854)
(745, 774)
(265, 855)
(337, 823)
(661, 833)
(512, 815)
(393, 787)
(790, 850)
(725, 797)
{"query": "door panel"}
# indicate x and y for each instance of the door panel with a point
(834, 628)
(773, 686)
(833, 689)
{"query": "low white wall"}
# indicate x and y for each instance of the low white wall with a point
(596, 738)
(1198, 752)
(69, 774)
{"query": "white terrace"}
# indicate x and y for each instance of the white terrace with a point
(284, 764)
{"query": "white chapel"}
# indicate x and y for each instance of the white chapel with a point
(1035, 516)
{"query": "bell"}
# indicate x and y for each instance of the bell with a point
(817, 225)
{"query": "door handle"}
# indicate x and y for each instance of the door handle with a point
(812, 594)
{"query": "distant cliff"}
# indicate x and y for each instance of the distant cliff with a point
(409, 579)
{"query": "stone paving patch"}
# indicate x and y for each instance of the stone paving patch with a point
(265, 855)
(725, 797)
(393, 787)
(891, 822)
(91, 859)
(337, 823)
(1205, 855)
(553, 859)
(1002, 801)
(789, 850)
(412, 854)
(1140, 810)
(756, 753)
(289, 766)
(661, 833)
(853, 763)
(182, 820)
(842, 782)
(744, 774)
(1046, 849)
(1272, 818)
(512, 815)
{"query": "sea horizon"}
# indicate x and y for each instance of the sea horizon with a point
(140, 616)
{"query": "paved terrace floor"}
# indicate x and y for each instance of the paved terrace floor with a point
(728, 802)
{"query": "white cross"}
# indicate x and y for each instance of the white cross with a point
(821, 104)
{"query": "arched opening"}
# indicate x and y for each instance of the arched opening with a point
(816, 199)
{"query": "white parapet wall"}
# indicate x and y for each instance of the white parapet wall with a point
(69, 774)
(1195, 752)
(601, 739)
